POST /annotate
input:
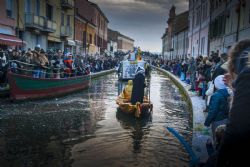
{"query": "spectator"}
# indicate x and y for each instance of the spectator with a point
(235, 144)
(218, 106)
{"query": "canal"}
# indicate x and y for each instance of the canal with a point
(85, 129)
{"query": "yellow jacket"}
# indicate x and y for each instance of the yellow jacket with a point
(127, 92)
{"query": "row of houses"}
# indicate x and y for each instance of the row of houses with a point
(209, 26)
(77, 26)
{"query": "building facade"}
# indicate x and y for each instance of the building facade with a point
(199, 20)
(47, 23)
(175, 38)
(95, 34)
(164, 39)
(124, 43)
(230, 23)
(8, 16)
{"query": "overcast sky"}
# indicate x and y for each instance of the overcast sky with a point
(142, 20)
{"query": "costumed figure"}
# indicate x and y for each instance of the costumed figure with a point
(127, 92)
(138, 86)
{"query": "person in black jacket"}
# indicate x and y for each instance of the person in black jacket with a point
(138, 86)
(235, 146)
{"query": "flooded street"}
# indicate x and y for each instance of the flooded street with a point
(85, 129)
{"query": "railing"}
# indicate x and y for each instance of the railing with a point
(38, 71)
(67, 4)
(66, 31)
(39, 22)
(34, 21)
(50, 26)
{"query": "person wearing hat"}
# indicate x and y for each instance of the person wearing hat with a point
(138, 86)
(218, 107)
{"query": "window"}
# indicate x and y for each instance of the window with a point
(204, 11)
(198, 17)
(68, 20)
(37, 11)
(9, 8)
(249, 17)
(62, 19)
(49, 12)
(84, 38)
(202, 45)
(37, 39)
(27, 6)
(90, 39)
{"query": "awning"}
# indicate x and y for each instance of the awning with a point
(11, 40)
(71, 42)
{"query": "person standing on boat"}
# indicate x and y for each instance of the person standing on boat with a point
(138, 86)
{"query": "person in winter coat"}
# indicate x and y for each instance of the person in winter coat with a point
(218, 106)
(138, 86)
(234, 150)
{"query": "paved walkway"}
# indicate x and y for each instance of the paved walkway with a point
(200, 133)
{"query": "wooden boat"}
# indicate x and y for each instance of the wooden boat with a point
(24, 87)
(4, 91)
(138, 110)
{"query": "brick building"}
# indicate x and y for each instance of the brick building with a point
(124, 43)
(97, 20)
(175, 38)
(8, 25)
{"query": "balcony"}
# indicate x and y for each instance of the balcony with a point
(67, 4)
(66, 31)
(34, 22)
(50, 26)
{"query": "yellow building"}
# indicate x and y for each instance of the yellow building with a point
(91, 38)
(47, 23)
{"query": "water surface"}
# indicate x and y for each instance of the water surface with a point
(85, 129)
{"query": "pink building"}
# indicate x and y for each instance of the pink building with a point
(8, 25)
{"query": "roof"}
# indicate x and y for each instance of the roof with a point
(99, 9)
(80, 17)
(181, 22)
(119, 34)
(165, 33)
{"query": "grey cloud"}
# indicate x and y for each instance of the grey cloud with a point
(142, 20)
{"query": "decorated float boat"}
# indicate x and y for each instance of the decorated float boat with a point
(137, 110)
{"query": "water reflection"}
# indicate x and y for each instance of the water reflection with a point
(85, 129)
(139, 128)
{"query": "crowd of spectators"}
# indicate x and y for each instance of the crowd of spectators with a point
(40, 64)
(223, 81)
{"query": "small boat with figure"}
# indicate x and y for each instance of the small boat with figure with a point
(132, 99)
(138, 109)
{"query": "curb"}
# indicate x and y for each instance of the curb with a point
(102, 73)
(196, 106)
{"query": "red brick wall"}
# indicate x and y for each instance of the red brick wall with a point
(79, 28)
(4, 20)
(85, 10)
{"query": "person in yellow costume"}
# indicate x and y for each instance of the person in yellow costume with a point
(139, 54)
(126, 93)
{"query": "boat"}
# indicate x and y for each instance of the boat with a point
(137, 110)
(4, 91)
(24, 87)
